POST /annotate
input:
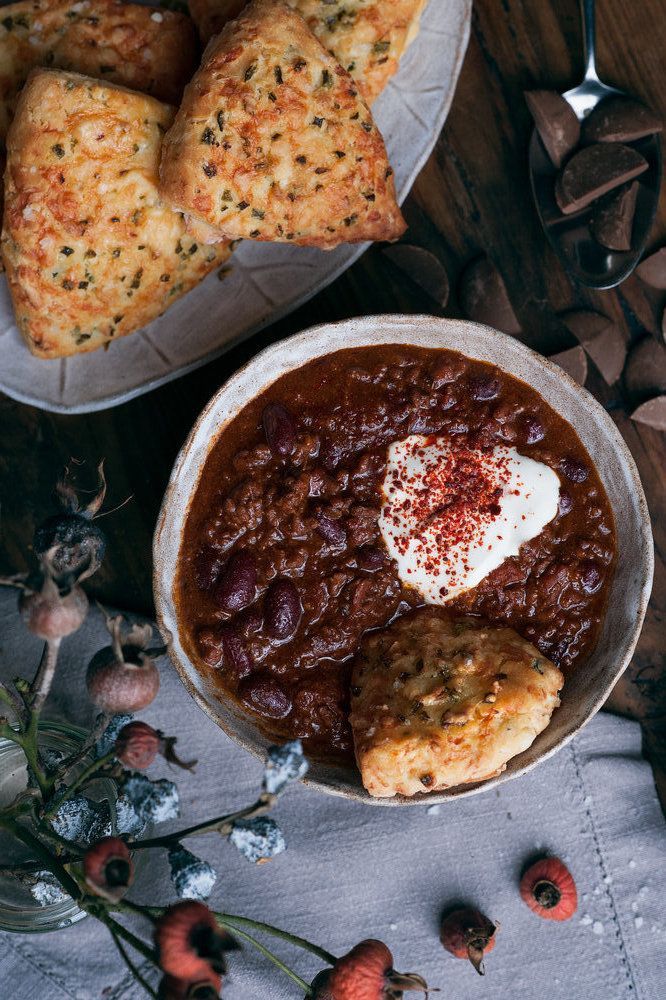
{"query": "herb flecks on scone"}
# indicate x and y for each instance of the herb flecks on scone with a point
(91, 250)
(439, 701)
(273, 141)
(367, 37)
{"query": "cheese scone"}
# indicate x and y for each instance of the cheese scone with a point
(144, 48)
(368, 37)
(91, 251)
(439, 701)
(273, 142)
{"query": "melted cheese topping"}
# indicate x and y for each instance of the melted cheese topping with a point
(450, 516)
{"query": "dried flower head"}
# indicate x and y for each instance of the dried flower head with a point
(284, 764)
(258, 839)
(153, 801)
(190, 944)
(366, 973)
(138, 744)
(108, 868)
(123, 677)
(76, 545)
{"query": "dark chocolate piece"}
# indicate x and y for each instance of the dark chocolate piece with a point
(484, 297)
(652, 413)
(426, 270)
(613, 222)
(555, 122)
(652, 270)
(602, 340)
(619, 119)
(646, 369)
(573, 362)
(595, 170)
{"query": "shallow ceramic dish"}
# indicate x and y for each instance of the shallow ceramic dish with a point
(262, 281)
(588, 687)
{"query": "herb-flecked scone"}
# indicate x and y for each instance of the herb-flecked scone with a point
(147, 49)
(439, 701)
(91, 250)
(368, 37)
(273, 142)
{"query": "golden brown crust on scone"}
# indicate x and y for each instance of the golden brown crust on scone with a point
(439, 701)
(368, 37)
(91, 251)
(144, 48)
(273, 142)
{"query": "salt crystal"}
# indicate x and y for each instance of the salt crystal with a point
(45, 888)
(156, 17)
(154, 801)
(393, 927)
(638, 922)
(82, 820)
(128, 820)
(258, 839)
(586, 919)
(608, 879)
(634, 907)
(597, 927)
(110, 734)
(192, 877)
(284, 764)
(433, 810)
(632, 863)
(643, 891)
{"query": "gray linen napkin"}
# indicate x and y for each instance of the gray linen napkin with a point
(352, 871)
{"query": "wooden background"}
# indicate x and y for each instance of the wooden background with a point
(472, 196)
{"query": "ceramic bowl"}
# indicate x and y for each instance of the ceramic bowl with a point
(588, 688)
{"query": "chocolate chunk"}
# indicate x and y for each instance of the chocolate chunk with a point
(602, 340)
(556, 123)
(574, 363)
(646, 369)
(613, 222)
(595, 170)
(652, 413)
(652, 270)
(423, 268)
(484, 297)
(619, 119)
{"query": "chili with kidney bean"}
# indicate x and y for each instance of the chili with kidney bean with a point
(283, 567)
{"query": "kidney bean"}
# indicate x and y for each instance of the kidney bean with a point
(238, 583)
(266, 697)
(565, 503)
(534, 430)
(280, 429)
(484, 388)
(282, 609)
(370, 557)
(590, 576)
(236, 658)
(330, 530)
(209, 643)
(574, 470)
(207, 566)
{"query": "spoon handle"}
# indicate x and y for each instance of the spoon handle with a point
(589, 38)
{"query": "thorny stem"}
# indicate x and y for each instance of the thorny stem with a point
(131, 966)
(85, 776)
(13, 701)
(221, 824)
(232, 922)
(41, 685)
(68, 763)
(125, 934)
(275, 960)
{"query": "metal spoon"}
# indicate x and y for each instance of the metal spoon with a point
(586, 260)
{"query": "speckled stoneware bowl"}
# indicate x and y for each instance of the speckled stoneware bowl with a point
(588, 688)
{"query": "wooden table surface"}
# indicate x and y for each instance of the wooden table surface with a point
(472, 196)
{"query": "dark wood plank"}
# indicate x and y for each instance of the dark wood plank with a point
(472, 196)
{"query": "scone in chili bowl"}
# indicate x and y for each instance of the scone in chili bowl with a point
(430, 392)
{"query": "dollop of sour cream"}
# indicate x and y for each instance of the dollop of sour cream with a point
(452, 515)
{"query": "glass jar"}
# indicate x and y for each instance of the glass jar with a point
(20, 910)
